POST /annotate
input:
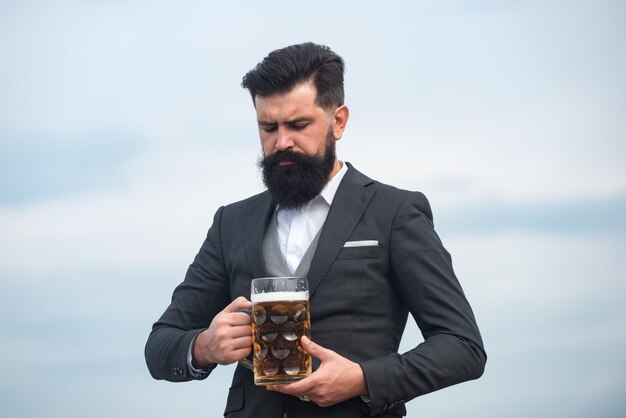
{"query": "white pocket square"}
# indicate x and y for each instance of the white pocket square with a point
(363, 243)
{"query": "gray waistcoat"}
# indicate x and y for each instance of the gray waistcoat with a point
(275, 263)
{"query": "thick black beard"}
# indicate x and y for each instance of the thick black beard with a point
(294, 185)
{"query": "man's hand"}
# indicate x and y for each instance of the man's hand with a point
(228, 338)
(336, 380)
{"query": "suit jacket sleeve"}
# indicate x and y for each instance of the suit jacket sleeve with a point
(422, 273)
(195, 302)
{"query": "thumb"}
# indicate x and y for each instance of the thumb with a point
(315, 350)
(238, 304)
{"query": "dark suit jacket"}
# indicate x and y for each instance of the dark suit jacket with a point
(360, 298)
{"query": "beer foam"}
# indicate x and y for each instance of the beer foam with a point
(279, 296)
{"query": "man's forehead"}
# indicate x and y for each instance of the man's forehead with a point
(298, 101)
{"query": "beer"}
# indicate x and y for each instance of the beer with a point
(279, 319)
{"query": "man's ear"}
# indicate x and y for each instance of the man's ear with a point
(340, 120)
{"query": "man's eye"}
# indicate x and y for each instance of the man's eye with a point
(269, 129)
(299, 126)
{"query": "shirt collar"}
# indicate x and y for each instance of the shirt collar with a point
(329, 191)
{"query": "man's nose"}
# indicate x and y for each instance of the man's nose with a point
(284, 140)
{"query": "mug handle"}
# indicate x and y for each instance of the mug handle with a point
(244, 361)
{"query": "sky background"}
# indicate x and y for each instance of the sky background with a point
(123, 128)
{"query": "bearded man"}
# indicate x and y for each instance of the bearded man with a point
(369, 251)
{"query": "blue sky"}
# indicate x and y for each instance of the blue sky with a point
(123, 128)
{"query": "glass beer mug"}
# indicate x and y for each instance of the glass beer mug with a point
(280, 316)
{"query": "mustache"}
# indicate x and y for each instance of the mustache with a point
(288, 155)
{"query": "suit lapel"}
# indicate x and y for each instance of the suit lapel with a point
(348, 206)
(259, 214)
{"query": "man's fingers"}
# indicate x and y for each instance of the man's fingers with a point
(238, 318)
(239, 331)
(314, 349)
(242, 343)
(308, 384)
(238, 304)
(298, 388)
(227, 333)
(242, 353)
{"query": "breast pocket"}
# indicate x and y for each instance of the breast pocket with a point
(362, 252)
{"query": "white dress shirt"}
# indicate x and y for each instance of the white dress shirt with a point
(298, 227)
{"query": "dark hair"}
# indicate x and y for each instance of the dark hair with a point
(284, 68)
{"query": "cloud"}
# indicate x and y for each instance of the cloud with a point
(47, 166)
(164, 198)
(591, 215)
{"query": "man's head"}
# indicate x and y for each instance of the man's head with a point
(285, 68)
(298, 97)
